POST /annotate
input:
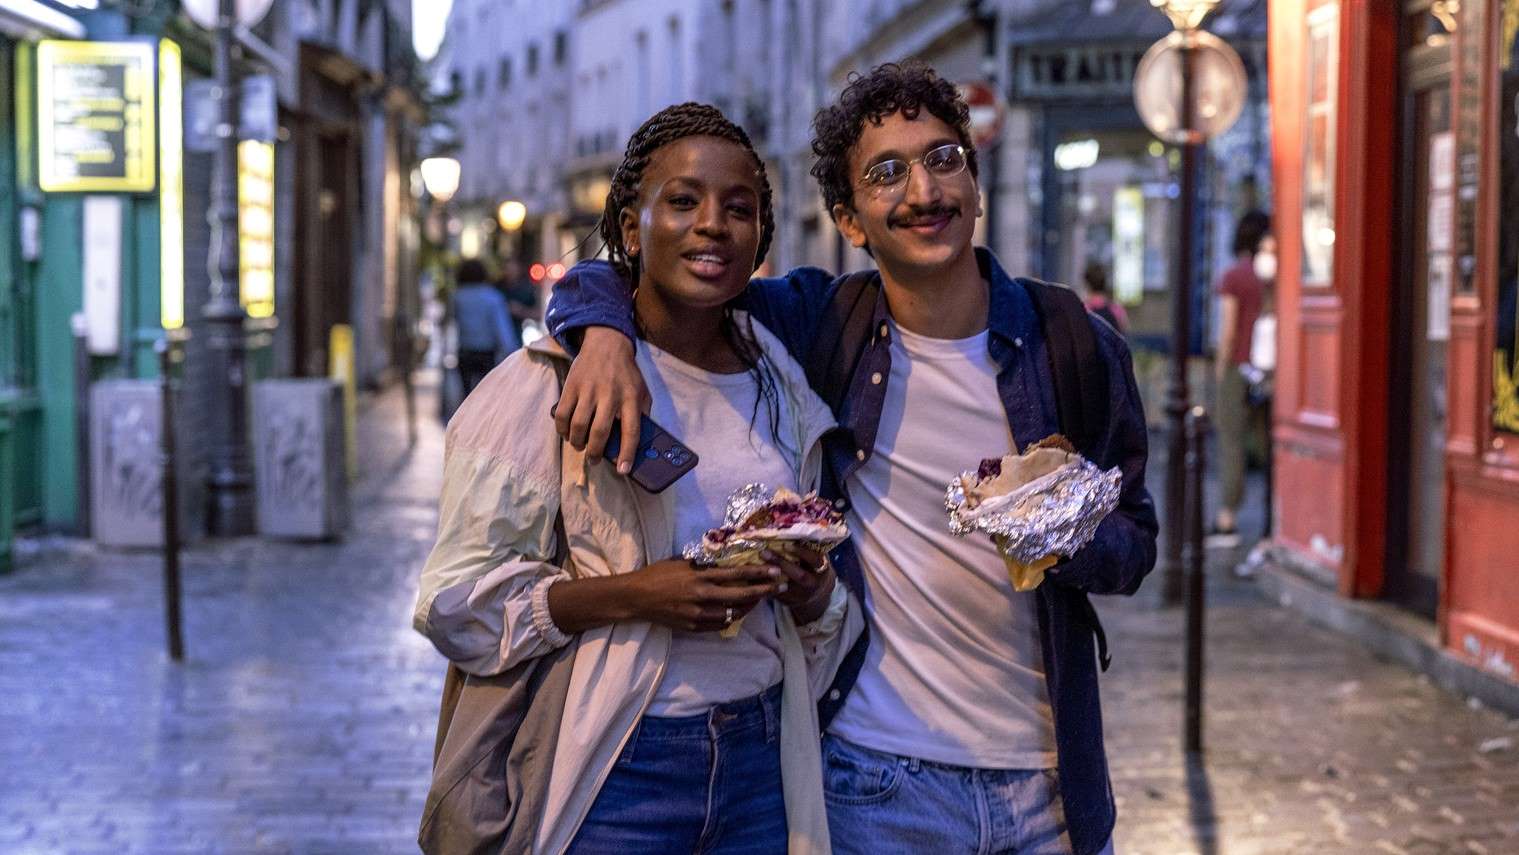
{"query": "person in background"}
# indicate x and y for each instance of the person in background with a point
(520, 293)
(1241, 296)
(486, 334)
(1097, 300)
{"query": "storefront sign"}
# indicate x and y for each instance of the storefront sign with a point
(1129, 245)
(96, 112)
(171, 189)
(1090, 72)
(255, 227)
(102, 274)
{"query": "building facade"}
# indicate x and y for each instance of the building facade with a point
(334, 246)
(1397, 420)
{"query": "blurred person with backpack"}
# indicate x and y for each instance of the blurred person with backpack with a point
(484, 322)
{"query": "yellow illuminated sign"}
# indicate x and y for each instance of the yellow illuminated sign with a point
(95, 116)
(255, 227)
(171, 188)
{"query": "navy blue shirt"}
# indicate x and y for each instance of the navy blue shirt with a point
(1115, 562)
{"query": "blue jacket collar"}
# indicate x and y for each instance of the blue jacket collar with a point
(1010, 311)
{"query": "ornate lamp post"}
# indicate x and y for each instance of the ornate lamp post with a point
(1189, 86)
(231, 475)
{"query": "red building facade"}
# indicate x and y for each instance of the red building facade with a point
(1397, 216)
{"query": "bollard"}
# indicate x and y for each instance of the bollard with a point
(82, 422)
(1192, 564)
(168, 354)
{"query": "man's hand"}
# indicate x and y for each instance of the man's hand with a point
(603, 386)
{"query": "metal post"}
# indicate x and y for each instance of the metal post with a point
(231, 478)
(406, 345)
(1178, 397)
(1270, 462)
(1197, 426)
(167, 356)
(82, 422)
(988, 22)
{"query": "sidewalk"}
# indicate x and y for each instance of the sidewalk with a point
(302, 720)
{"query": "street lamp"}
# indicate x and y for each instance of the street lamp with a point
(440, 175)
(1166, 71)
(511, 215)
(1209, 79)
(1186, 14)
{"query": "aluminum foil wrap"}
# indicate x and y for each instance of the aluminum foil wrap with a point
(737, 549)
(1055, 514)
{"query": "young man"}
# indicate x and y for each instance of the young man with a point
(967, 717)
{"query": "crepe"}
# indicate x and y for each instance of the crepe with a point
(758, 519)
(1038, 506)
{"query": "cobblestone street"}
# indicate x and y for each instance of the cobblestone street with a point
(302, 719)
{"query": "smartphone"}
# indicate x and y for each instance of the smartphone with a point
(661, 458)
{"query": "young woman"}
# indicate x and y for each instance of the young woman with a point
(665, 736)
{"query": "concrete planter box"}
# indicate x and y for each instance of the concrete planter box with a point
(126, 467)
(298, 459)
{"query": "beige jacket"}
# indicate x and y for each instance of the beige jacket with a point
(483, 595)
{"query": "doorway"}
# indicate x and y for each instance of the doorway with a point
(1421, 318)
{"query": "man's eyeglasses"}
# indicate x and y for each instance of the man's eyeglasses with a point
(890, 176)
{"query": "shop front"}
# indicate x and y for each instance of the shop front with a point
(1103, 191)
(1396, 419)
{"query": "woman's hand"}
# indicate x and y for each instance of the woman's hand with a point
(603, 386)
(673, 593)
(809, 582)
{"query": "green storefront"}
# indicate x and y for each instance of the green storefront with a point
(44, 250)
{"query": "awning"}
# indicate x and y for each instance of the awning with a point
(28, 19)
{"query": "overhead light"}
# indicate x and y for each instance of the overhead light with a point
(440, 175)
(1078, 154)
(511, 215)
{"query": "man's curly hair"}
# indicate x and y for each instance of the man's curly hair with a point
(673, 123)
(905, 88)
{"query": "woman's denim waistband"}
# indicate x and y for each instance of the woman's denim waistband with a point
(759, 712)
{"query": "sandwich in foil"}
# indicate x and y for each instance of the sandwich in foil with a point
(1038, 506)
(758, 519)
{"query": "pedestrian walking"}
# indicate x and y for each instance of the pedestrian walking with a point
(1242, 295)
(619, 719)
(966, 717)
(484, 322)
(1097, 299)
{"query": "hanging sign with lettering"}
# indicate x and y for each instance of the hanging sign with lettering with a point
(95, 116)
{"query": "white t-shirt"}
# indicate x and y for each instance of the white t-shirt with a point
(954, 672)
(711, 414)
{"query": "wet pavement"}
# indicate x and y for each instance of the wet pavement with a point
(302, 718)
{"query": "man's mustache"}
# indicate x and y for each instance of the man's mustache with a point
(922, 212)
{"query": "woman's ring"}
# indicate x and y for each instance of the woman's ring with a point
(728, 618)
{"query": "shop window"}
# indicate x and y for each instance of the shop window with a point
(1506, 349)
(1318, 162)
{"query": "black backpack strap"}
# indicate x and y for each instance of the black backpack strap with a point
(1080, 377)
(1081, 395)
(841, 335)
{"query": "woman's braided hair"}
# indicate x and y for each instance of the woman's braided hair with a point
(692, 119)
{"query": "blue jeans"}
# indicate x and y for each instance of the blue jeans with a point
(884, 804)
(707, 783)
